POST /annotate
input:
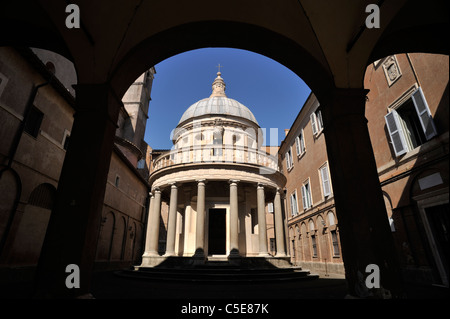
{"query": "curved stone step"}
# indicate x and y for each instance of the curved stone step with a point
(218, 275)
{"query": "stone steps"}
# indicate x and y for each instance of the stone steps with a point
(218, 274)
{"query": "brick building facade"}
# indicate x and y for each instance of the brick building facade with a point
(407, 114)
(37, 108)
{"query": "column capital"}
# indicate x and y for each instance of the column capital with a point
(174, 185)
(156, 190)
(233, 181)
(260, 185)
(201, 181)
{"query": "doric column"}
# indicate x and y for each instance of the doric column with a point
(279, 233)
(234, 214)
(364, 229)
(262, 228)
(172, 223)
(200, 225)
(72, 232)
(148, 233)
(153, 225)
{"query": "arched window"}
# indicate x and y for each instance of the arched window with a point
(313, 238)
(334, 235)
(43, 196)
(331, 220)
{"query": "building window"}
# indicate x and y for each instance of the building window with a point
(43, 196)
(325, 178)
(334, 236)
(313, 238)
(270, 207)
(34, 121)
(306, 195)
(117, 181)
(331, 220)
(294, 205)
(411, 124)
(289, 161)
(300, 144)
(66, 140)
(217, 142)
(334, 239)
(273, 245)
(314, 245)
(141, 164)
(316, 122)
(234, 139)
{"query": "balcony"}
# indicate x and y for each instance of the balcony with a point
(212, 154)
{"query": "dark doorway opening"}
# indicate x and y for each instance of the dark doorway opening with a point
(217, 231)
(439, 224)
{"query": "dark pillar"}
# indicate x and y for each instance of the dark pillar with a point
(74, 224)
(364, 229)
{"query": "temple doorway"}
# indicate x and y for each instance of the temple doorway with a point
(217, 231)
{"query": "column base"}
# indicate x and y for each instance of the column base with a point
(150, 261)
(169, 254)
(234, 253)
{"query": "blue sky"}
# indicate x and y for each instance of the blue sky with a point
(271, 91)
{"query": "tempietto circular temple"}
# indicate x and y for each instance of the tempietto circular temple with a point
(220, 185)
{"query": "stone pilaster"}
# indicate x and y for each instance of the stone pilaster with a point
(262, 227)
(200, 225)
(234, 215)
(279, 232)
(172, 223)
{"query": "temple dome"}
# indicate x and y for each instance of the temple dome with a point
(218, 104)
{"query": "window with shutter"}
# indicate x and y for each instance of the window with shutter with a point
(294, 210)
(288, 161)
(411, 124)
(396, 133)
(319, 121)
(313, 123)
(302, 142)
(305, 204)
(297, 145)
(326, 187)
(424, 114)
(306, 195)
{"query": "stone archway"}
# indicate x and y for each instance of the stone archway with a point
(330, 55)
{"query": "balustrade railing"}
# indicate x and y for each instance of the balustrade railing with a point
(216, 154)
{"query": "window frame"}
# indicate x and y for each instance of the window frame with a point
(316, 122)
(300, 145)
(291, 198)
(307, 195)
(400, 141)
(32, 125)
(323, 181)
(289, 159)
